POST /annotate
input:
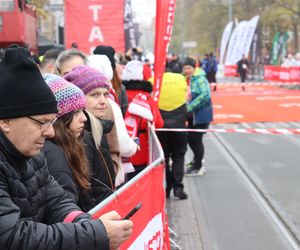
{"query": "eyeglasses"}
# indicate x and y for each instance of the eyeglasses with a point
(43, 125)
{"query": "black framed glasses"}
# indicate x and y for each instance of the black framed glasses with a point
(43, 125)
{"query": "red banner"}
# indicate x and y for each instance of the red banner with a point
(282, 74)
(295, 74)
(92, 23)
(150, 230)
(165, 10)
(268, 72)
(230, 70)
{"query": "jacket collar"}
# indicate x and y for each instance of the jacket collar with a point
(107, 125)
(10, 151)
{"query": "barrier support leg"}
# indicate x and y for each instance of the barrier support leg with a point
(173, 244)
(172, 232)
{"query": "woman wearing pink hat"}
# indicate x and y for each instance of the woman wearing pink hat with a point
(96, 89)
(70, 151)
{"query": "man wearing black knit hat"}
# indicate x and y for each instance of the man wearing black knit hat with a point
(33, 206)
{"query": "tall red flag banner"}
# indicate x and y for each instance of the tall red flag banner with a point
(90, 23)
(165, 11)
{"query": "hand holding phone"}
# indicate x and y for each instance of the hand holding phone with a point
(133, 211)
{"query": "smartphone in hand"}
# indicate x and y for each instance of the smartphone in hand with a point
(133, 211)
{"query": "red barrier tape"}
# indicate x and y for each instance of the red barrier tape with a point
(269, 131)
(255, 83)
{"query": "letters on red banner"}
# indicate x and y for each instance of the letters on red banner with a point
(92, 23)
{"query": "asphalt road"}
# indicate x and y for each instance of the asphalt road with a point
(249, 197)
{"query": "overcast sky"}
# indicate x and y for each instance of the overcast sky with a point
(144, 10)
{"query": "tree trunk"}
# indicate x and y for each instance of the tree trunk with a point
(296, 34)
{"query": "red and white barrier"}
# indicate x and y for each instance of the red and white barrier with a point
(150, 230)
(272, 73)
(249, 84)
(269, 131)
(230, 70)
(239, 83)
(282, 74)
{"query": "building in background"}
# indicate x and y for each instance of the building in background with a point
(51, 24)
(144, 16)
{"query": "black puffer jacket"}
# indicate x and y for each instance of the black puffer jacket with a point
(175, 118)
(33, 207)
(59, 168)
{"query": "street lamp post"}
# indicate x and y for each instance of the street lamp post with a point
(230, 10)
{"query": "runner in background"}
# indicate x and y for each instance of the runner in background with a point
(243, 69)
(200, 113)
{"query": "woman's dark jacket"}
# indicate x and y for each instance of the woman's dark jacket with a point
(100, 158)
(59, 168)
(102, 174)
(33, 207)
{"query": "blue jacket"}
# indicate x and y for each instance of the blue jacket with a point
(200, 104)
(209, 64)
(206, 65)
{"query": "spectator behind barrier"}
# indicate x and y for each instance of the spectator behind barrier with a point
(33, 206)
(120, 144)
(72, 156)
(142, 108)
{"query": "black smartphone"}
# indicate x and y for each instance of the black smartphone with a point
(133, 211)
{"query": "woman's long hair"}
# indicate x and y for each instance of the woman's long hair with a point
(96, 128)
(116, 82)
(74, 150)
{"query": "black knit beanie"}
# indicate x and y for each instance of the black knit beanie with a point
(23, 91)
(107, 51)
(189, 61)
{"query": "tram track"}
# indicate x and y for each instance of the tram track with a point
(272, 209)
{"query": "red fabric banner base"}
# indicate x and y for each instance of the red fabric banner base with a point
(150, 230)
